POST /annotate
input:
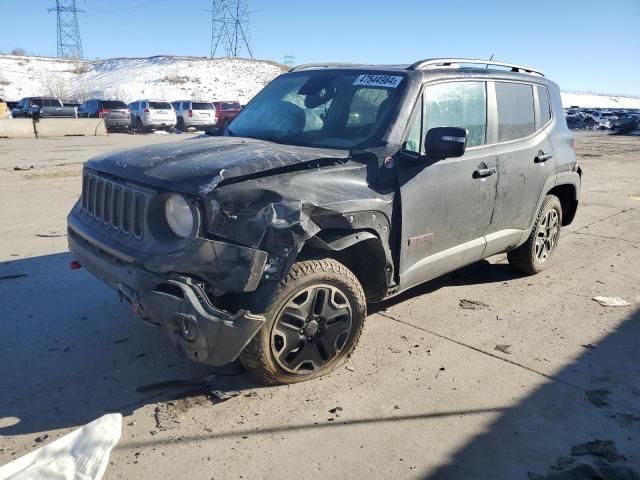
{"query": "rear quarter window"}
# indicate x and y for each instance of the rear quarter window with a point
(515, 110)
(543, 103)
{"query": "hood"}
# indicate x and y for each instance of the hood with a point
(197, 166)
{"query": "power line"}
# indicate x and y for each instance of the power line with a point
(230, 28)
(69, 42)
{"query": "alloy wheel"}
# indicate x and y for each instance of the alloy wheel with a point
(311, 329)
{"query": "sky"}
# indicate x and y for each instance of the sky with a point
(583, 45)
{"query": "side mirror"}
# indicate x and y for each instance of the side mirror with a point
(445, 142)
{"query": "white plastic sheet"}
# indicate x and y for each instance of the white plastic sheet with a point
(79, 455)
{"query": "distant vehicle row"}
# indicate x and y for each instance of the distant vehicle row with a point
(143, 115)
(148, 114)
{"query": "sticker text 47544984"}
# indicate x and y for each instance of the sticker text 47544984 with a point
(389, 81)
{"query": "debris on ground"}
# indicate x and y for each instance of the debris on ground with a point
(611, 301)
(598, 448)
(606, 464)
(9, 277)
(504, 348)
(83, 453)
(589, 346)
(350, 368)
(472, 304)
(21, 169)
(335, 410)
(51, 234)
(599, 397)
(120, 340)
(224, 395)
(42, 438)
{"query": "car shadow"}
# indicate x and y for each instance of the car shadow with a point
(478, 273)
(72, 352)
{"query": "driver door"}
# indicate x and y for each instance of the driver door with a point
(447, 205)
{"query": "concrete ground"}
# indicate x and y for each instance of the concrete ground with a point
(434, 390)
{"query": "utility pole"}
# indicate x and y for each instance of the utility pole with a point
(289, 60)
(69, 42)
(230, 28)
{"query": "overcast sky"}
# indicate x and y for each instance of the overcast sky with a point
(583, 45)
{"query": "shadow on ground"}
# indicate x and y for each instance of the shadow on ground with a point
(71, 352)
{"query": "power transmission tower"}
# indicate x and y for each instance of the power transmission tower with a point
(69, 43)
(289, 60)
(230, 28)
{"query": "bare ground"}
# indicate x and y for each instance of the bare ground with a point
(480, 374)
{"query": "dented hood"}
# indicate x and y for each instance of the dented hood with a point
(196, 166)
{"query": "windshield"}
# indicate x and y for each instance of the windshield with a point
(113, 104)
(202, 106)
(160, 105)
(331, 109)
(229, 106)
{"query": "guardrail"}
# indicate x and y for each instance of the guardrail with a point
(51, 127)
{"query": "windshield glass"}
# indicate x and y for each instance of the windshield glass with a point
(160, 105)
(202, 106)
(229, 106)
(331, 109)
(113, 104)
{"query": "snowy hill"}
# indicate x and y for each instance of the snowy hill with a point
(173, 78)
(127, 79)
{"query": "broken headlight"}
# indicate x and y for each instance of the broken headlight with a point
(179, 215)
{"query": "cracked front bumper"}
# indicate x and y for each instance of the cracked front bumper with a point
(175, 301)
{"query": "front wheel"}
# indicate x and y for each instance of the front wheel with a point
(533, 256)
(312, 326)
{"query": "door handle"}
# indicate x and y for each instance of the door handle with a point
(484, 172)
(542, 157)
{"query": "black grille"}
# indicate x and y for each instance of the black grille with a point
(113, 205)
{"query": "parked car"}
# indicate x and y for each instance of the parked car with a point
(604, 119)
(152, 114)
(115, 113)
(226, 111)
(42, 107)
(11, 105)
(266, 244)
(194, 114)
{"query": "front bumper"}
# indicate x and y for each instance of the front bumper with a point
(177, 302)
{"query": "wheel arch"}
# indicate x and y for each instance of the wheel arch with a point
(361, 251)
(568, 196)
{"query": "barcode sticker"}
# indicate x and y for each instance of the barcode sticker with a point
(390, 81)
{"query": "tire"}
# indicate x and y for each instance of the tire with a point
(534, 255)
(298, 340)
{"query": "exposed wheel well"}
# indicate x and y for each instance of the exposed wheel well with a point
(567, 196)
(365, 259)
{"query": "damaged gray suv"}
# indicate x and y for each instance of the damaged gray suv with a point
(337, 186)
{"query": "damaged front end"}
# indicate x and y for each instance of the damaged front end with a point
(209, 290)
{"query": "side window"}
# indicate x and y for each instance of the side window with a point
(458, 104)
(515, 110)
(413, 143)
(545, 108)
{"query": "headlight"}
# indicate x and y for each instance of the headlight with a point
(179, 215)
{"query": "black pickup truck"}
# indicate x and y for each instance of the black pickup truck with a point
(43, 107)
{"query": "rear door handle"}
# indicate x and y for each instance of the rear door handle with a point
(484, 172)
(542, 157)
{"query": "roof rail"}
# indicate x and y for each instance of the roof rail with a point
(324, 65)
(449, 62)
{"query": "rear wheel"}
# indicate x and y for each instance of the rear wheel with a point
(312, 325)
(534, 255)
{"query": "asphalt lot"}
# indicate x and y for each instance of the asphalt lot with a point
(433, 390)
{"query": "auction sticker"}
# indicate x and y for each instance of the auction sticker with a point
(389, 81)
